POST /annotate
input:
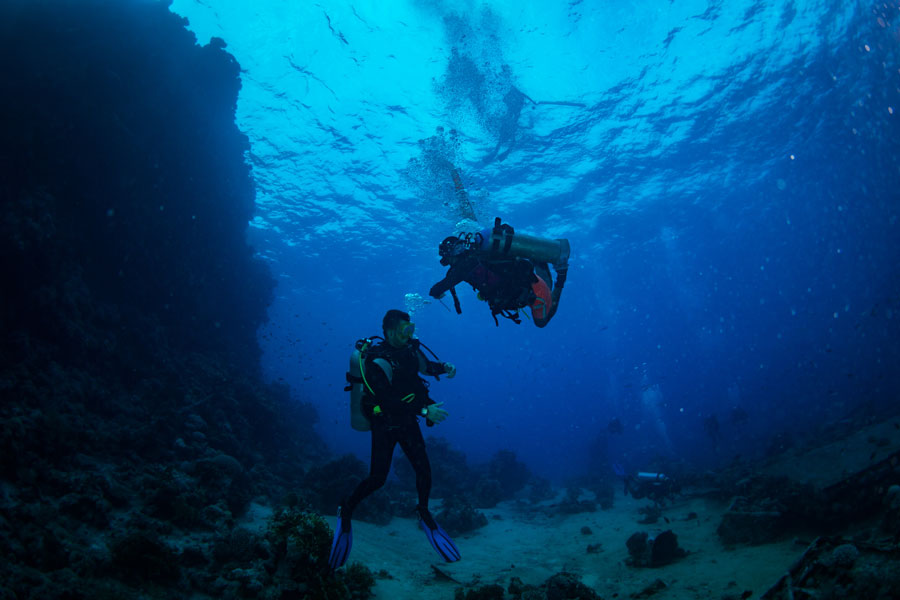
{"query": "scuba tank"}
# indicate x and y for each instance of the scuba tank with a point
(356, 377)
(643, 477)
(503, 241)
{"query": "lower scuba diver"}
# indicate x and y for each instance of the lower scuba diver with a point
(387, 398)
(655, 486)
(508, 270)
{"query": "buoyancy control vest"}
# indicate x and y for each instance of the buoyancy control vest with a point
(359, 387)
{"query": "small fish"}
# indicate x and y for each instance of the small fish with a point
(666, 519)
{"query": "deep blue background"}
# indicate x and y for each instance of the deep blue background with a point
(727, 177)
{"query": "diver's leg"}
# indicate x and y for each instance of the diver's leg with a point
(561, 272)
(543, 271)
(555, 294)
(383, 443)
(413, 445)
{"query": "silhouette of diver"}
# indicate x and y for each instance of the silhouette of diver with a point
(509, 122)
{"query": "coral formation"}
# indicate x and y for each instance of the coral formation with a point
(458, 516)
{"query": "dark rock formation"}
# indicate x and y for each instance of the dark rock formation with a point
(125, 192)
(644, 551)
(132, 412)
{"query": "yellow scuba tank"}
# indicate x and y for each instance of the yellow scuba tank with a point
(358, 420)
(356, 377)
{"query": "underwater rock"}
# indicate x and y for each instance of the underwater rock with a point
(458, 516)
(664, 549)
(651, 514)
(572, 503)
(644, 551)
(637, 545)
(456, 475)
(890, 521)
(562, 586)
(487, 493)
(540, 490)
(87, 509)
(238, 546)
(327, 485)
(142, 557)
(567, 586)
(834, 568)
(651, 590)
(126, 198)
(844, 556)
(195, 422)
(485, 592)
(509, 472)
(748, 522)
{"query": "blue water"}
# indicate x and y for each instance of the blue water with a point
(726, 173)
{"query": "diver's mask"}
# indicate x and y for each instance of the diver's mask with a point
(449, 248)
(407, 330)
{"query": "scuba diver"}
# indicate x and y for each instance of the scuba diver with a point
(508, 270)
(514, 99)
(386, 397)
(656, 486)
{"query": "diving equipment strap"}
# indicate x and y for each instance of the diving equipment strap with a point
(455, 301)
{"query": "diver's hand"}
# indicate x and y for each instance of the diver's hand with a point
(450, 370)
(436, 414)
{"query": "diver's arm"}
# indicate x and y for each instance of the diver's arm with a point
(455, 275)
(430, 367)
(441, 287)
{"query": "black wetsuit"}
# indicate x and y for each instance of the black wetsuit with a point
(395, 420)
(505, 284)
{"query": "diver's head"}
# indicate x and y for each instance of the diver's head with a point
(398, 329)
(451, 248)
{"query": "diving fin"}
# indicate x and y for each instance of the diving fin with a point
(440, 541)
(343, 541)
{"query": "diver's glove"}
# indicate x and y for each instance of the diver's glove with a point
(450, 370)
(434, 412)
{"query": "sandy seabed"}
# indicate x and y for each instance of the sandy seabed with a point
(534, 547)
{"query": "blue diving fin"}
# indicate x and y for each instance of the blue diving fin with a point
(440, 541)
(343, 541)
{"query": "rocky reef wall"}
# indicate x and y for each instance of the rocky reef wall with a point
(125, 176)
(132, 410)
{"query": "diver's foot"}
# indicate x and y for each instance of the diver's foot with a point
(343, 540)
(440, 541)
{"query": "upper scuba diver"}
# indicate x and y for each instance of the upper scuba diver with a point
(386, 397)
(507, 269)
(655, 486)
